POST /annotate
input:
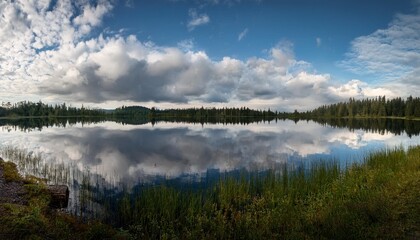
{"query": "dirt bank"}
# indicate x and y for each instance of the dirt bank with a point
(11, 190)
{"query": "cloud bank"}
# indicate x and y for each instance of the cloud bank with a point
(391, 54)
(48, 51)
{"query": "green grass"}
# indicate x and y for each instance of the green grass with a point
(36, 220)
(10, 171)
(375, 199)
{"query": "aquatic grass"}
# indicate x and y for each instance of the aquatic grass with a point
(319, 201)
(86, 189)
(373, 198)
(35, 220)
(363, 202)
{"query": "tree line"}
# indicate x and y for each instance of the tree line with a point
(370, 108)
(39, 109)
(367, 114)
(375, 107)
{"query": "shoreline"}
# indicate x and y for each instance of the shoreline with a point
(373, 199)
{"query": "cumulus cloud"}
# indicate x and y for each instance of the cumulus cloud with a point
(242, 34)
(197, 19)
(62, 60)
(358, 89)
(392, 53)
(31, 30)
(91, 16)
(118, 68)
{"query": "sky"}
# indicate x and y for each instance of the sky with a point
(282, 55)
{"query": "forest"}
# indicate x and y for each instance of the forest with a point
(376, 107)
(39, 109)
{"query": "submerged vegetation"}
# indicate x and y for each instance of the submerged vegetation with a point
(377, 198)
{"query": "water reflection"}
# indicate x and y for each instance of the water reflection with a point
(378, 125)
(141, 152)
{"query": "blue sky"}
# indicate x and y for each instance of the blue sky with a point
(177, 53)
(265, 23)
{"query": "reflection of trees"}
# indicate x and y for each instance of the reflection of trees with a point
(29, 124)
(193, 115)
(375, 125)
(215, 120)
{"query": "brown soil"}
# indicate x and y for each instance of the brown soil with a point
(11, 192)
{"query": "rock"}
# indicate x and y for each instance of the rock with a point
(59, 196)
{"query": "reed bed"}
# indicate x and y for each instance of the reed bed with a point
(375, 198)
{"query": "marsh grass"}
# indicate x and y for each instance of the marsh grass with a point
(374, 198)
(377, 198)
(35, 220)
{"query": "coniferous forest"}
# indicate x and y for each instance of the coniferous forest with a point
(376, 107)
(39, 109)
(353, 108)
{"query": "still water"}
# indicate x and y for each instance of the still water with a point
(133, 153)
(101, 160)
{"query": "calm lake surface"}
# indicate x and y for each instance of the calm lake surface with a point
(132, 153)
(101, 160)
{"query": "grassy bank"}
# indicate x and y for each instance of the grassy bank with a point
(376, 199)
(35, 220)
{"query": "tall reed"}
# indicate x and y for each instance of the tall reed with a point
(375, 198)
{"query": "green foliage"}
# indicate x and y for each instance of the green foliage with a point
(37, 221)
(10, 171)
(377, 107)
(39, 109)
(37, 195)
(3, 112)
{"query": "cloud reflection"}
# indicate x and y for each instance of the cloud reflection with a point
(171, 150)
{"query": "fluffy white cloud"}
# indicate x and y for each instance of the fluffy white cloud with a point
(91, 16)
(60, 61)
(118, 68)
(32, 31)
(390, 54)
(358, 89)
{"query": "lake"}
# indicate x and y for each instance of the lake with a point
(136, 152)
(118, 155)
